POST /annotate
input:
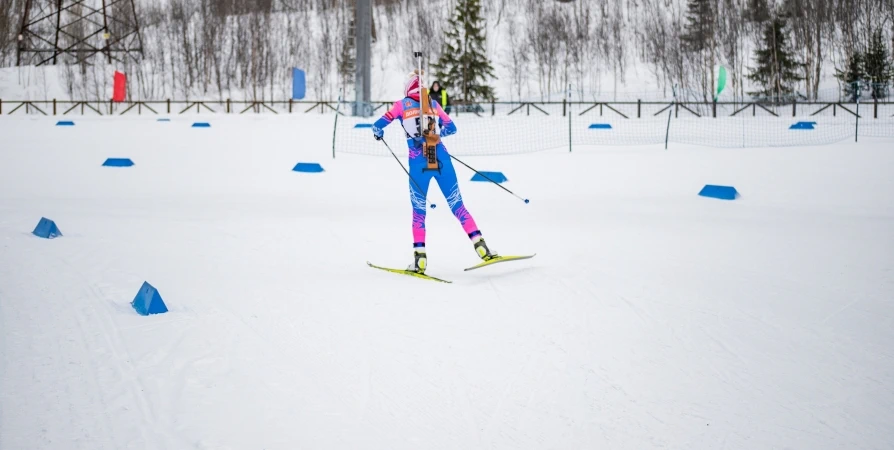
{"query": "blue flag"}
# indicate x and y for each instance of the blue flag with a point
(298, 84)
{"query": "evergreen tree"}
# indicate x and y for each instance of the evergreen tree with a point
(777, 70)
(699, 39)
(463, 65)
(345, 63)
(852, 75)
(699, 33)
(877, 65)
(758, 11)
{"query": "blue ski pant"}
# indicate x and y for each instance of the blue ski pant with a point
(445, 176)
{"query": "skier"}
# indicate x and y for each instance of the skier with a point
(408, 112)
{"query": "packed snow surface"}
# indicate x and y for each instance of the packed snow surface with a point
(650, 318)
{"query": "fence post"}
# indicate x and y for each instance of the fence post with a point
(54, 106)
(639, 105)
(714, 108)
(564, 105)
(493, 108)
(875, 109)
(1, 106)
(228, 106)
(169, 106)
(290, 106)
(667, 132)
(569, 123)
(795, 108)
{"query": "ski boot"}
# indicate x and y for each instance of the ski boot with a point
(420, 262)
(481, 248)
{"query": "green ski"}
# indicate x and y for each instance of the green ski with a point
(408, 272)
(499, 259)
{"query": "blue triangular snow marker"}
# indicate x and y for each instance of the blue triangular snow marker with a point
(719, 192)
(803, 126)
(148, 301)
(118, 162)
(308, 167)
(497, 177)
(46, 229)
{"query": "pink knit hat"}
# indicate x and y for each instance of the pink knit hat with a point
(412, 87)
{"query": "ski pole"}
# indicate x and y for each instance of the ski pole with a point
(492, 181)
(405, 169)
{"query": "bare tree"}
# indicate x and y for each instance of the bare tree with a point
(323, 61)
(244, 48)
(732, 41)
(545, 25)
(10, 16)
(808, 24)
(516, 59)
(617, 53)
(581, 45)
(424, 31)
(662, 42)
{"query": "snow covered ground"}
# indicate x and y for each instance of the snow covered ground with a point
(651, 317)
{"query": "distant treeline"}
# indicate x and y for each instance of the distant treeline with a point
(244, 48)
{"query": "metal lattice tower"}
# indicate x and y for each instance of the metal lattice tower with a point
(73, 31)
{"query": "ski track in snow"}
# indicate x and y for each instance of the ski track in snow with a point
(651, 317)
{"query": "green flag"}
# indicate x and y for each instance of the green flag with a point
(721, 82)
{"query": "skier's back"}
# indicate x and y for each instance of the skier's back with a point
(425, 165)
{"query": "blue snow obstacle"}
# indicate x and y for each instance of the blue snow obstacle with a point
(148, 301)
(118, 162)
(601, 126)
(497, 177)
(65, 123)
(201, 125)
(46, 229)
(803, 126)
(363, 125)
(720, 192)
(308, 167)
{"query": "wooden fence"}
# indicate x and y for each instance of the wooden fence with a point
(625, 110)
